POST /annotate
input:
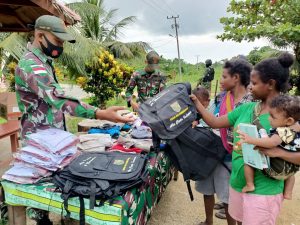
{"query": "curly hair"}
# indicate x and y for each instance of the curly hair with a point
(290, 105)
(276, 69)
(240, 67)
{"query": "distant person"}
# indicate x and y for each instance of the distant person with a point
(208, 76)
(149, 81)
(203, 96)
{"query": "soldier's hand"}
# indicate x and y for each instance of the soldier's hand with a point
(135, 106)
(111, 114)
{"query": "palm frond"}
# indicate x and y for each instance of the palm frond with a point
(115, 31)
(15, 44)
(76, 55)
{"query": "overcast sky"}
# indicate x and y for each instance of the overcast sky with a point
(198, 27)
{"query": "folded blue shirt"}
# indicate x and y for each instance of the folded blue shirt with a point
(112, 131)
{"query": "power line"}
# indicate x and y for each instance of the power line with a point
(160, 7)
(167, 5)
(164, 44)
(176, 26)
(154, 7)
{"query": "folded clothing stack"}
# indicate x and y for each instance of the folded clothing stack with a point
(126, 143)
(46, 151)
(94, 142)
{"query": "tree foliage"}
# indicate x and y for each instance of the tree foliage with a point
(276, 20)
(101, 25)
(105, 78)
(258, 54)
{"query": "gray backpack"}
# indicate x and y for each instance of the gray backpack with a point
(169, 112)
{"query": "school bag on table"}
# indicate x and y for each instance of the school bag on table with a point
(100, 176)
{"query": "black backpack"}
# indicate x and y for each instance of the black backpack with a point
(196, 152)
(170, 112)
(102, 176)
(209, 75)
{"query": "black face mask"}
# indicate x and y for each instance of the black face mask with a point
(52, 50)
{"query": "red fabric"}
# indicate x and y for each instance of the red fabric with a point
(121, 148)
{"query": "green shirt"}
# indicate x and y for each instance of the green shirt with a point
(263, 184)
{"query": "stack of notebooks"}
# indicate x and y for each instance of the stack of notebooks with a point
(46, 152)
(251, 156)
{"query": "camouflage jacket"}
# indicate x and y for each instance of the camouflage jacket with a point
(209, 74)
(148, 85)
(40, 98)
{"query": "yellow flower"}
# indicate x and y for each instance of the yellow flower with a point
(120, 74)
(81, 81)
(110, 57)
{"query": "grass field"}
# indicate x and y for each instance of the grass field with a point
(193, 79)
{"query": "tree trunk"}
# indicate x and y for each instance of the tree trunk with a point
(297, 78)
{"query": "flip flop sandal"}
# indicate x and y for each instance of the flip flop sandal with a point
(220, 214)
(219, 205)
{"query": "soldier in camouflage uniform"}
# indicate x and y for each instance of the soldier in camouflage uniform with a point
(40, 98)
(208, 76)
(148, 81)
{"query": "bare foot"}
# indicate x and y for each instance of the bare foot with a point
(287, 195)
(248, 188)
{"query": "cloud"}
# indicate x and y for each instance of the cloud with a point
(195, 17)
(198, 27)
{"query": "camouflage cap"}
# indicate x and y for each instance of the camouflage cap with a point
(152, 59)
(54, 25)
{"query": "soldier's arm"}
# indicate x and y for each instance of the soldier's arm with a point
(46, 88)
(130, 88)
(163, 83)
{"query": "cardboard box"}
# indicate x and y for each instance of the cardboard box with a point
(8, 106)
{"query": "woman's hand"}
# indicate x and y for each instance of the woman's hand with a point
(293, 157)
(195, 100)
(195, 123)
(271, 152)
(112, 114)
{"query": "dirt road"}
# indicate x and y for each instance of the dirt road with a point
(175, 208)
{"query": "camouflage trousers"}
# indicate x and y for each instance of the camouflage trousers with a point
(207, 85)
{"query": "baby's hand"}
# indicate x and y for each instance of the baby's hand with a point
(244, 138)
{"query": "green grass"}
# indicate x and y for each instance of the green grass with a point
(72, 122)
(2, 120)
(118, 101)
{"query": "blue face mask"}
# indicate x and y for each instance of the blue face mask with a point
(51, 50)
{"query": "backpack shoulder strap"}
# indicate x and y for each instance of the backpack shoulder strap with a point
(255, 116)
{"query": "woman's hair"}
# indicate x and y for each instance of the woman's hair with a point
(240, 67)
(290, 105)
(276, 69)
(201, 92)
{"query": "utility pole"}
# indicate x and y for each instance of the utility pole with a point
(197, 62)
(178, 52)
